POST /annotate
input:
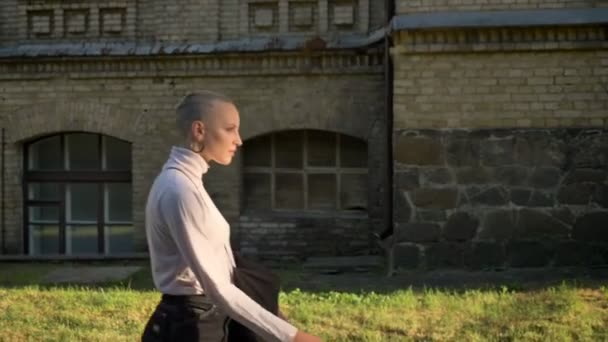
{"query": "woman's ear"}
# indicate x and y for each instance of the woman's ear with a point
(198, 129)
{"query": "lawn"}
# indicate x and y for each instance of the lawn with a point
(117, 311)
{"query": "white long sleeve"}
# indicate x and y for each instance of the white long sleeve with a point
(190, 249)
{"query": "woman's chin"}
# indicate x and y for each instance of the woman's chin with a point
(225, 161)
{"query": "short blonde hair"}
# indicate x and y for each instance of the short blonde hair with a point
(196, 106)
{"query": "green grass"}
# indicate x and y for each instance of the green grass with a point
(118, 311)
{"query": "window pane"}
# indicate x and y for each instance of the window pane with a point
(82, 239)
(117, 154)
(353, 152)
(44, 239)
(289, 191)
(45, 154)
(321, 148)
(257, 151)
(353, 192)
(120, 239)
(288, 147)
(118, 202)
(322, 191)
(43, 191)
(83, 151)
(82, 202)
(257, 191)
(43, 215)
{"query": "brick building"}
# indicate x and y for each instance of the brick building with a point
(466, 133)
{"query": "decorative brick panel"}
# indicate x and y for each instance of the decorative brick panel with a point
(40, 23)
(75, 22)
(263, 17)
(302, 16)
(112, 21)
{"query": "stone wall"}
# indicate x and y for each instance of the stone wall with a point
(500, 143)
(502, 197)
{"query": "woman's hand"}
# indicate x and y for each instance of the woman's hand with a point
(304, 337)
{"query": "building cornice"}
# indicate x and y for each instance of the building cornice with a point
(500, 39)
(368, 61)
(152, 49)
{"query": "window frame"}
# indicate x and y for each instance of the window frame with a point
(337, 170)
(64, 177)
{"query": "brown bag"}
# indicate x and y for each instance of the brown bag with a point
(260, 284)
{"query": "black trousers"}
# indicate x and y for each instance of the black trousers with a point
(186, 319)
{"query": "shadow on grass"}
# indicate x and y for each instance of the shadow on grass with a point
(18, 275)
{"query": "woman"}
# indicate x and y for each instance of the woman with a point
(189, 240)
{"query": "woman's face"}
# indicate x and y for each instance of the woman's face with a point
(221, 134)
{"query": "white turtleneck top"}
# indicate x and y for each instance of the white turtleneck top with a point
(189, 242)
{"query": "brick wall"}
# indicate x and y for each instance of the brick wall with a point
(139, 109)
(179, 21)
(184, 20)
(515, 89)
(500, 147)
(297, 237)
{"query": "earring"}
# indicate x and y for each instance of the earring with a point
(193, 147)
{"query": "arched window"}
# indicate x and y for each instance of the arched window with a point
(77, 190)
(307, 170)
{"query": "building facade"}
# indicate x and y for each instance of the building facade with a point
(456, 133)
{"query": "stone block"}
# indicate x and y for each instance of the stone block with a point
(545, 177)
(600, 196)
(577, 253)
(589, 150)
(498, 152)
(497, 225)
(462, 151)
(438, 198)
(472, 175)
(431, 215)
(485, 255)
(461, 226)
(591, 227)
(585, 176)
(576, 193)
(439, 176)
(407, 179)
(492, 196)
(538, 224)
(445, 255)
(522, 253)
(419, 151)
(403, 206)
(520, 196)
(541, 199)
(406, 255)
(418, 232)
(563, 214)
(511, 175)
(540, 148)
